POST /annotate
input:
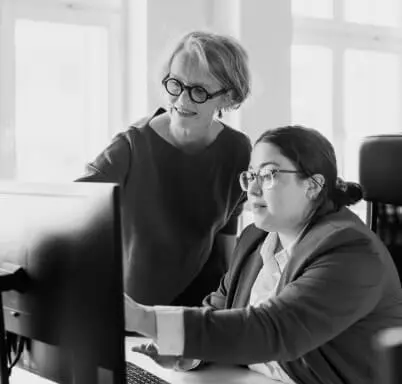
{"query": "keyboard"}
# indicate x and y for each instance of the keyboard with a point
(138, 375)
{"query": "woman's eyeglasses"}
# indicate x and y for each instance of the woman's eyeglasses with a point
(265, 178)
(196, 93)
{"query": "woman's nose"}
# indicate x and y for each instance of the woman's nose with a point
(184, 97)
(254, 188)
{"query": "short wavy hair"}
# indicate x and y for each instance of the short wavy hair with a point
(222, 56)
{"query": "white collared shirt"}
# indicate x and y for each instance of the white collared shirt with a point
(264, 288)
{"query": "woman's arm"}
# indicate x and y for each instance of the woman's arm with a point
(166, 350)
(111, 165)
(340, 287)
(140, 318)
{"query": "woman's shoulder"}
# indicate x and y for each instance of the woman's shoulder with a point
(234, 146)
(343, 235)
(341, 246)
(145, 121)
(236, 137)
(142, 127)
(342, 225)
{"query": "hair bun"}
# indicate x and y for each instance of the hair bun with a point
(346, 193)
(341, 184)
(354, 192)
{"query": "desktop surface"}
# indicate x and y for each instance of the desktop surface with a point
(212, 374)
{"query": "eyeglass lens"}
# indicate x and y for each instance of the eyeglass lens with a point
(264, 179)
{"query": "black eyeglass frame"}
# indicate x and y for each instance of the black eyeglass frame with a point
(189, 89)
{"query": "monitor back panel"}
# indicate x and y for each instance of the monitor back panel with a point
(68, 239)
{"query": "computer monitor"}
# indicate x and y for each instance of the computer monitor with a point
(67, 237)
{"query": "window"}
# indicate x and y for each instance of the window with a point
(64, 109)
(351, 54)
(311, 87)
(372, 94)
(61, 98)
(375, 12)
(313, 8)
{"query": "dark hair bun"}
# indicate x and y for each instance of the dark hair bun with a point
(350, 195)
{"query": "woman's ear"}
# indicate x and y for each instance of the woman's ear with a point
(227, 100)
(315, 184)
(225, 103)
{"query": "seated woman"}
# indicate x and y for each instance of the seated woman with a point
(310, 284)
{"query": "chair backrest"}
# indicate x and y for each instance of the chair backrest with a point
(380, 168)
(388, 344)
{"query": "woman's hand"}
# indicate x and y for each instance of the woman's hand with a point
(139, 318)
(171, 362)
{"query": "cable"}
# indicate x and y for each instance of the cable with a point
(15, 344)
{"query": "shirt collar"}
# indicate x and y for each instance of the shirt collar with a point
(270, 243)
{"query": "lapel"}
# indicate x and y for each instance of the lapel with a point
(246, 266)
(251, 269)
(300, 254)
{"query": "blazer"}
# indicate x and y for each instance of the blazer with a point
(339, 288)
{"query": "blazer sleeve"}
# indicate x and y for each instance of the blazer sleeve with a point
(340, 286)
(112, 165)
(248, 240)
(217, 300)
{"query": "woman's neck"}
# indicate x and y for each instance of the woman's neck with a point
(287, 238)
(186, 140)
(201, 137)
(189, 139)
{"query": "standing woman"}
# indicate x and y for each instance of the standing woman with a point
(178, 170)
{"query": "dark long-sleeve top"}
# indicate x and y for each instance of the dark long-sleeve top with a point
(173, 205)
(339, 288)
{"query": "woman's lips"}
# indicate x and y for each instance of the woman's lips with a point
(184, 113)
(258, 206)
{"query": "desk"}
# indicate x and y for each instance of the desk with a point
(212, 374)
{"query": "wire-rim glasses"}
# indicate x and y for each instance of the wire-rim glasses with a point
(265, 178)
(196, 93)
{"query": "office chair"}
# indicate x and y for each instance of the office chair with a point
(380, 168)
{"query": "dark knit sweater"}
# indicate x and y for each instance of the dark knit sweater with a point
(173, 205)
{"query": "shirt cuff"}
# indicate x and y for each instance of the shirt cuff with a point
(170, 330)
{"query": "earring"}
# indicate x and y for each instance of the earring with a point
(220, 113)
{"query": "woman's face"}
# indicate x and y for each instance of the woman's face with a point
(284, 207)
(186, 114)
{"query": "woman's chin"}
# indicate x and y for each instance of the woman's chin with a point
(263, 224)
(259, 223)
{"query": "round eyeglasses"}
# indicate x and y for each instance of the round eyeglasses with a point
(265, 178)
(196, 93)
